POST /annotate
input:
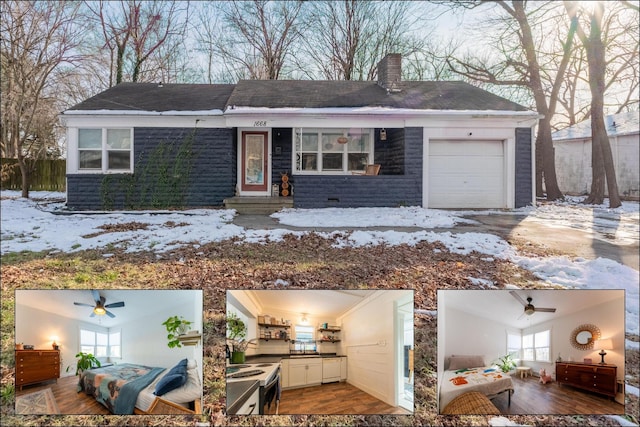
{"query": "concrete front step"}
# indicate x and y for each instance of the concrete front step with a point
(258, 205)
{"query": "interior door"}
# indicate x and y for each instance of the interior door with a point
(255, 168)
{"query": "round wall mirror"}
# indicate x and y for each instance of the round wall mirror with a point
(584, 336)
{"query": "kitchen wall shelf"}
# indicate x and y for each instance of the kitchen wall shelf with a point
(274, 339)
(329, 330)
(328, 340)
(273, 325)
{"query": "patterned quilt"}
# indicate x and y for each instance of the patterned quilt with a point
(487, 380)
(117, 387)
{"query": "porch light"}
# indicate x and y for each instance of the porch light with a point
(383, 134)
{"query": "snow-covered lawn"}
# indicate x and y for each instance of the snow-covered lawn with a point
(29, 225)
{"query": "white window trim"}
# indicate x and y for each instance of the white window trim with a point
(107, 333)
(345, 152)
(533, 335)
(74, 154)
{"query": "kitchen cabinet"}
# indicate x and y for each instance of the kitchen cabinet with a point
(304, 372)
(343, 369)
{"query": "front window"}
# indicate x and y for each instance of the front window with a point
(332, 151)
(104, 149)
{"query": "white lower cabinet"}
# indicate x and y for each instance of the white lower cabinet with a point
(303, 372)
(251, 405)
(284, 372)
(343, 369)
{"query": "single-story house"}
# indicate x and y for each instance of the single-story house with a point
(573, 154)
(307, 143)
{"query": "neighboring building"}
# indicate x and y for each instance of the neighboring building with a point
(573, 155)
(438, 144)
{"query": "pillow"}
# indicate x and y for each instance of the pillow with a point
(175, 378)
(190, 391)
(462, 362)
(191, 364)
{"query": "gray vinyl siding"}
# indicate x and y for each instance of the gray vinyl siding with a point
(523, 173)
(319, 191)
(211, 179)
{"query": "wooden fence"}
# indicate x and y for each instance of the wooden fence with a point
(49, 175)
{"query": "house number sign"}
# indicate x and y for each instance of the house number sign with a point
(259, 123)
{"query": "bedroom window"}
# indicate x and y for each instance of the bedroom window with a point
(101, 344)
(536, 346)
(332, 151)
(514, 344)
(104, 150)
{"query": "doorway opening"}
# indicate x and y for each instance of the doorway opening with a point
(405, 353)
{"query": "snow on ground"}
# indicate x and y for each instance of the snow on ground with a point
(31, 225)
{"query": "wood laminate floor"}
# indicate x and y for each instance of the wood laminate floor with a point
(333, 399)
(69, 401)
(532, 397)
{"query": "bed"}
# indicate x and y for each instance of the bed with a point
(468, 374)
(129, 388)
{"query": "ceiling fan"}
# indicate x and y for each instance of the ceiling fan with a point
(529, 308)
(100, 308)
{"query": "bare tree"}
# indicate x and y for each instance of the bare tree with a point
(140, 26)
(346, 39)
(38, 39)
(258, 36)
(519, 65)
(601, 156)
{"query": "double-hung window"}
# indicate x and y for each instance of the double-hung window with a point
(104, 150)
(536, 347)
(305, 338)
(332, 151)
(514, 344)
(101, 344)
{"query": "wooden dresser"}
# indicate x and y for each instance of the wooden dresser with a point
(598, 378)
(34, 366)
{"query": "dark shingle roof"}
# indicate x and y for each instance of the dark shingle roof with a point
(295, 94)
(336, 93)
(153, 97)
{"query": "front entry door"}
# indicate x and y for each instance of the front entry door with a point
(255, 157)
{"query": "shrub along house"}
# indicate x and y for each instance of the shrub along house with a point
(434, 144)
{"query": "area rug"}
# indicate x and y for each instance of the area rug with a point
(40, 402)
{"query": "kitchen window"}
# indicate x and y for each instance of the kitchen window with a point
(332, 151)
(104, 150)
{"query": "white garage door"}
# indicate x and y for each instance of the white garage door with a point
(466, 174)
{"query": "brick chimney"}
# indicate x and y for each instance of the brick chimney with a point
(390, 72)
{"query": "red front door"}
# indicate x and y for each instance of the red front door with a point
(255, 158)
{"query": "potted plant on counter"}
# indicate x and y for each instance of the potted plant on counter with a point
(236, 332)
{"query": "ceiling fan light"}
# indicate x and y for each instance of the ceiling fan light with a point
(100, 311)
(529, 310)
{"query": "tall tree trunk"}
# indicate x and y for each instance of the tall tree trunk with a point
(602, 158)
(544, 142)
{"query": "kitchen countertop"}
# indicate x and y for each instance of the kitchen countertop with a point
(238, 393)
(276, 358)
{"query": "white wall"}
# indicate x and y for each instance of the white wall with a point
(36, 327)
(573, 160)
(368, 340)
(608, 317)
(468, 334)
